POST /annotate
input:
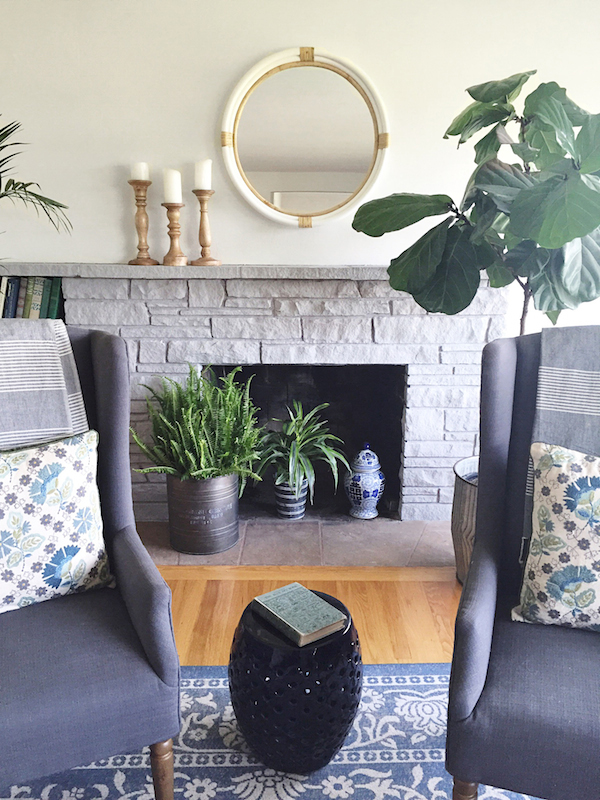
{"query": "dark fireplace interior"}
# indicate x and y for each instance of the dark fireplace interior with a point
(366, 404)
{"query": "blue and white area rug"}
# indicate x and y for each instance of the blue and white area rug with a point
(395, 750)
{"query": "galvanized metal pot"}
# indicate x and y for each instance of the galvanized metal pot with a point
(203, 515)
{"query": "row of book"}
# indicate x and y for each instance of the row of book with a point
(31, 298)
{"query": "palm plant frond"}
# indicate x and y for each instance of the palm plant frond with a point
(21, 191)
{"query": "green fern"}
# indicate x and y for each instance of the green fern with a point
(203, 429)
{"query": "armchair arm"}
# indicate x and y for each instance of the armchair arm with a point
(148, 601)
(473, 634)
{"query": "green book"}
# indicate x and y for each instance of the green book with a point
(28, 297)
(54, 301)
(299, 614)
(36, 298)
(45, 298)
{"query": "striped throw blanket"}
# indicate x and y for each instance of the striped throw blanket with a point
(567, 411)
(40, 395)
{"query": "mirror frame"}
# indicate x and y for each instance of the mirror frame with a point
(290, 59)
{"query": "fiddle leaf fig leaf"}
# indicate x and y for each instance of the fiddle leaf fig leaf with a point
(551, 112)
(576, 115)
(478, 116)
(526, 153)
(503, 182)
(499, 276)
(549, 292)
(553, 316)
(588, 144)
(543, 139)
(558, 210)
(416, 265)
(504, 90)
(398, 211)
(581, 268)
(526, 259)
(488, 146)
(456, 278)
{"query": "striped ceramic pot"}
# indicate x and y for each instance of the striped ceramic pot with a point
(288, 505)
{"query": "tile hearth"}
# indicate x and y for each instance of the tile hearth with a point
(332, 541)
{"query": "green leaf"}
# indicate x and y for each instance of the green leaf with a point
(549, 293)
(487, 147)
(581, 269)
(499, 276)
(503, 182)
(526, 259)
(553, 316)
(478, 116)
(526, 153)
(456, 278)
(543, 139)
(588, 144)
(416, 265)
(503, 90)
(558, 210)
(550, 111)
(576, 115)
(398, 211)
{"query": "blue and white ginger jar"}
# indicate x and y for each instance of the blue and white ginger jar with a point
(364, 484)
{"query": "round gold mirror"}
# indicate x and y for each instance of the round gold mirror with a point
(304, 135)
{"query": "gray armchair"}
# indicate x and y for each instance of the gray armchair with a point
(524, 706)
(91, 675)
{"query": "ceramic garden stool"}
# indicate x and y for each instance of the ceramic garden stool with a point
(294, 705)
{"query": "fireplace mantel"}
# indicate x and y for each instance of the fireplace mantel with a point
(294, 314)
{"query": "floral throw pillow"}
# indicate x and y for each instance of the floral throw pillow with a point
(561, 582)
(51, 540)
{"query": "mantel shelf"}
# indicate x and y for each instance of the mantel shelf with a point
(225, 271)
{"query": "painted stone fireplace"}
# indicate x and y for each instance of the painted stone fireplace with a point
(298, 315)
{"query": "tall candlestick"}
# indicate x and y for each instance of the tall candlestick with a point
(174, 257)
(140, 171)
(203, 174)
(205, 259)
(140, 187)
(172, 185)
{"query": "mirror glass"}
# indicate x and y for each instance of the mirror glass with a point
(306, 140)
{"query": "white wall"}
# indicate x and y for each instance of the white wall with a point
(99, 84)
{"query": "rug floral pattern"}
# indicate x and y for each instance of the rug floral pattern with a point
(395, 750)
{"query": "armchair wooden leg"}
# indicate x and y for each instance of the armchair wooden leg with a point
(161, 761)
(464, 791)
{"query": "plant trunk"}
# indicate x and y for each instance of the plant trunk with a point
(526, 299)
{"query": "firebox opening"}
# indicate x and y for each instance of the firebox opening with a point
(366, 404)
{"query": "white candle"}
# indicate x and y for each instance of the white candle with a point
(140, 171)
(172, 184)
(203, 174)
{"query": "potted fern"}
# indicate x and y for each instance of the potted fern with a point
(302, 440)
(206, 438)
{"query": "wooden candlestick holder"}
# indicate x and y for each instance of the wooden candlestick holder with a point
(141, 223)
(205, 259)
(174, 257)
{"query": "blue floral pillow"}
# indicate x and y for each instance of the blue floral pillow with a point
(561, 582)
(51, 540)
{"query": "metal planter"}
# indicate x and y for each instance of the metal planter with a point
(203, 515)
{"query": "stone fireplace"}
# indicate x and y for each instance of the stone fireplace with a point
(298, 315)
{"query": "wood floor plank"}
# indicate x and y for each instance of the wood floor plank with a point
(403, 615)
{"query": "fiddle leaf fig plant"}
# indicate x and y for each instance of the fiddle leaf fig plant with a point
(534, 219)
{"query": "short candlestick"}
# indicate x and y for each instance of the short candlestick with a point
(140, 189)
(206, 259)
(174, 257)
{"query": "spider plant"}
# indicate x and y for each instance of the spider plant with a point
(203, 429)
(19, 191)
(303, 439)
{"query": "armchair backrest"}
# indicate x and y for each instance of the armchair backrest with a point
(508, 394)
(107, 403)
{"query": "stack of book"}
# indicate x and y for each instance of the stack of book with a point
(30, 298)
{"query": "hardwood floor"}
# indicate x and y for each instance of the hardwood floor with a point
(402, 614)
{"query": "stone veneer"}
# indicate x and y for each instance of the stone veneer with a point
(297, 315)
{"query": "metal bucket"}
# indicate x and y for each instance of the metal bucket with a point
(203, 515)
(288, 505)
(464, 506)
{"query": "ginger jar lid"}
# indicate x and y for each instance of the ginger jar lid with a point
(366, 460)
